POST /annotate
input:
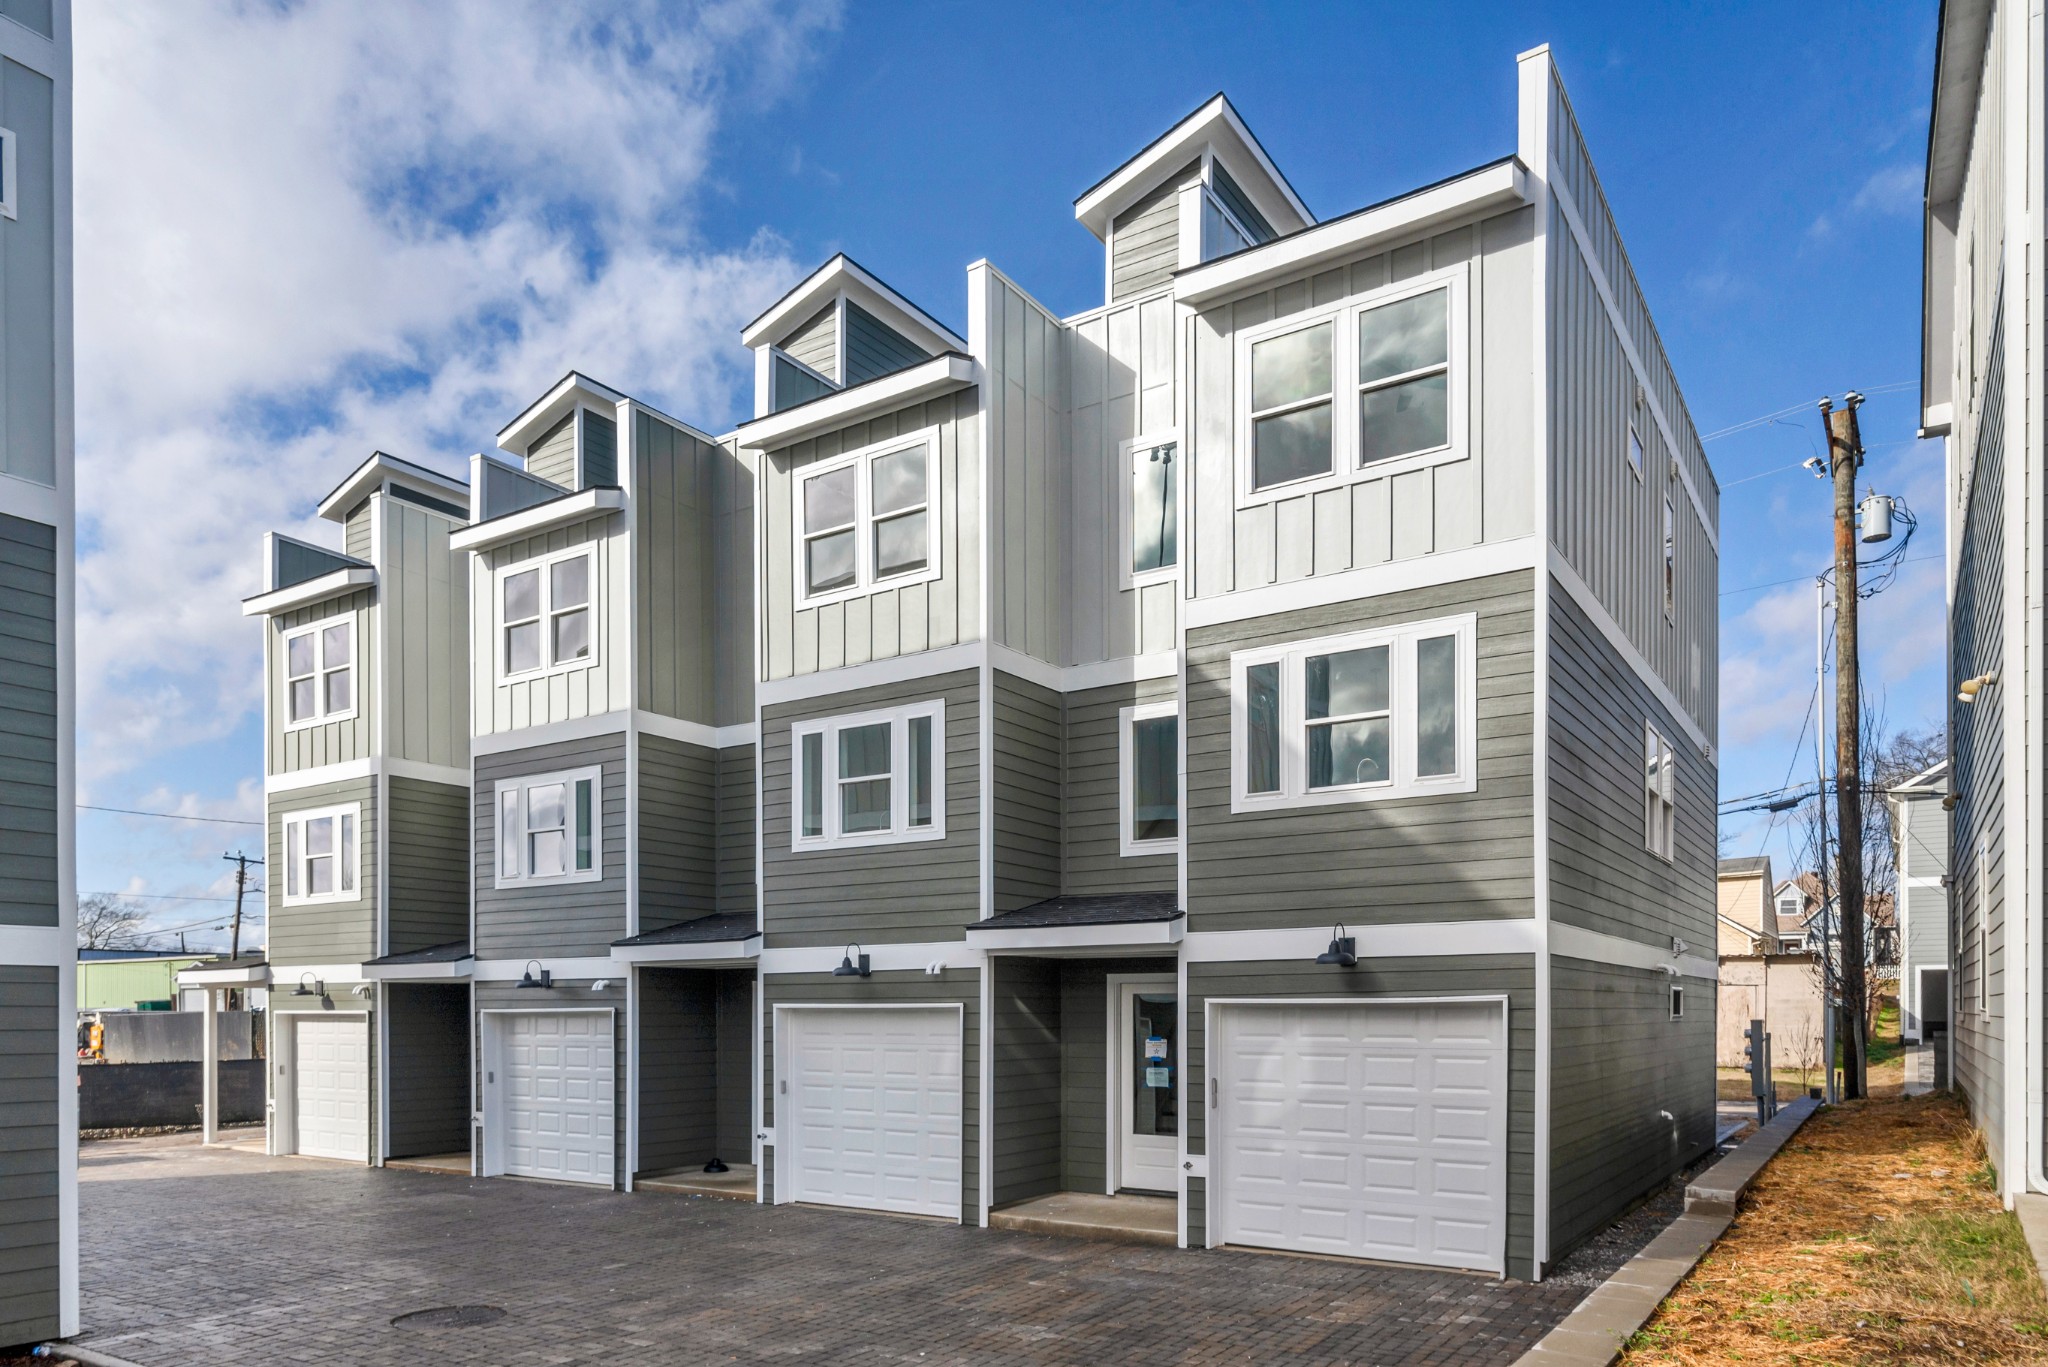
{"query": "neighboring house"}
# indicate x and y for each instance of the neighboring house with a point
(1767, 973)
(38, 891)
(124, 979)
(1982, 303)
(1920, 839)
(1746, 908)
(1001, 766)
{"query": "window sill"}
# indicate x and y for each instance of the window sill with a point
(900, 581)
(593, 876)
(529, 675)
(1340, 797)
(314, 722)
(1136, 849)
(856, 842)
(338, 900)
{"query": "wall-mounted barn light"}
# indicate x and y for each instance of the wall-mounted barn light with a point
(850, 967)
(529, 978)
(1343, 950)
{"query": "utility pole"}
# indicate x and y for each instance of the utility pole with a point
(1845, 458)
(241, 863)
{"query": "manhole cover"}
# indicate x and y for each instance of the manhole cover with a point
(450, 1317)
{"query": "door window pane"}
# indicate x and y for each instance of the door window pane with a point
(814, 784)
(1155, 509)
(1155, 778)
(1155, 1044)
(921, 771)
(1262, 728)
(1344, 753)
(1436, 706)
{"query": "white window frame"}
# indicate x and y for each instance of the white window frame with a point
(1670, 564)
(1678, 1003)
(1214, 201)
(1660, 795)
(317, 630)
(864, 581)
(1638, 453)
(522, 877)
(546, 565)
(295, 870)
(1983, 926)
(1127, 576)
(900, 830)
(1129, 846)
(1292, 658)
(10, 158)
(1345, 468)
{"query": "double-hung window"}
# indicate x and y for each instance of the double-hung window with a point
(1371, 715)
(544, 613)
(549, 828)
(866, 520)
(1150, 503)
(1148, 765)
(870, 779)
(1340, 392)
(1660, 801)
(319, 672)
(321, 862)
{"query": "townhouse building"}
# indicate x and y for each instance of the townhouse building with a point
(38, 885)
(1244, 751)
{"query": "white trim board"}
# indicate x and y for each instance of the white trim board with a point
(24, 498)
(921, 382)
(690, 952)
(1395, 576)
(541, 517)
(882, 958)
(924, 664)
(365, 768)
(1143, 937)
(563, 970)
(1163, 664)
(319, 589)
(38, 946)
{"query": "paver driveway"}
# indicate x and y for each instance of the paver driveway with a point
(207, 1257)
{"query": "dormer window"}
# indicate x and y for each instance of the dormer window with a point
(319, 672)
(863, 521)
(544, 617)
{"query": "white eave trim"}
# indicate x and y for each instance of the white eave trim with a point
(1487, 191)
(700, 951)
(371, 475)
(258, 976)
(545, 411)
(842, 272)
(333, 584)
(446, 970)
(927, 380)
(542, 517)
(1098, 208)
(1135, 934)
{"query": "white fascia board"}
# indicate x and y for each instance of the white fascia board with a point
(1216, 122)
(1484, 192)
(330, 585)
(545, 411)
(843, 273)
(448, 970)
(1131, 934)
(542, 517)
(258, 976)
(703, 951)
(928, 380)
(382, 466)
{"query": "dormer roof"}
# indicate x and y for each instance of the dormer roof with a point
(544, 412)
(1215, 128)
(842, 274)
(381, 469)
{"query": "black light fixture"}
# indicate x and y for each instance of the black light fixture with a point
(849, 967)
(1343, 950)
(317, 988)
(715, 1165)
(546, 979)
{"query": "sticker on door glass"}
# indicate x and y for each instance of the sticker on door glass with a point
(1155, 1047)
(1158, 1077)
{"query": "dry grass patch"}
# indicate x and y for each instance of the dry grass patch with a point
(1874, 1237)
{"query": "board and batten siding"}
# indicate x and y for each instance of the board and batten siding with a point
(1120, 386)
(1602, 874)
(735, 578)
(956, 987)
(1093, 858)
(1631, 1090)
(604, 685)
(1025, 370)
(737, 890)
(29, 1144)
(682, 487)
(1923, 854)
(427, 1025)
(887, 622)
(293, 748)
(552, 455)
(1488, 495)
(579, 995)
(919, 891)
(568, 920)
(600, 449)
(1450, 857)
(29, 818)
(874, 349)
(1027, 792)
(428, 832)
(816, 342)
(1510, 975)
(1144, 241)
(339, 932)
(28, 247)
(423, 595)
(678, 831)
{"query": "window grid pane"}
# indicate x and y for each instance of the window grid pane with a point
(348, 853)
(586, 826)
(921, 771)
(1403, 337)
(1155, 509)
(1155, 778)
(1436, 706)
(1262, 728)
(814, 784)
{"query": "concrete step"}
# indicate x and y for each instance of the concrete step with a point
(1082, 1215)
(736, 1185)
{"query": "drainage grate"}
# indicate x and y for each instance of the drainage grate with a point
(450, 1317)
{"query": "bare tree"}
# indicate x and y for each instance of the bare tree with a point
(108, 922)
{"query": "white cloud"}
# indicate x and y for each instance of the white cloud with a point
(1892, 190)
(402, 221)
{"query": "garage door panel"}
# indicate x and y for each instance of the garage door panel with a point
(876, 1110)
(556, 1099)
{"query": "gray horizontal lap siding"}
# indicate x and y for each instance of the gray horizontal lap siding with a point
(737, 889)
(1451, 857)
(1618, 1065)
(914, 892)
(553, 455)
(1093, 859)
(1511, 975)
(575, 920)
(28, 723)
(358, 536)
(874, 349)
(343, 932)
(1144, 246)
(428, 834)
(428, 1077)
(1602, 874)
(1027, 792)
(957, 987)
(29, 1141)
(570, 995)
(816, 343)
(678, 831)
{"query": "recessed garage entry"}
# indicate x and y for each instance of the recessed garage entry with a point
(1368, 1130)
(553, 1102)
(871, 1114)
(331, 1088)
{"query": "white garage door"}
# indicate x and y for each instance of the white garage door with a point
(331, 1088)
(872, 1118)
(1372, 1131)
(556, 1095)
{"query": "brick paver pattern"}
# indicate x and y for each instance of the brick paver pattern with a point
(210, 1257)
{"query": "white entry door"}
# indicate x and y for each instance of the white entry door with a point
(1369, 1130)
(871, 1117)
(1146, 1046)
(331, 1088)
(556, 1095)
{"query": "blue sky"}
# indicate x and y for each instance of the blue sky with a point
(308, 230)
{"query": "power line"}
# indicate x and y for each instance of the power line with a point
(1809, 578)
(1806, 407)
(158, 896)
(172, 816)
